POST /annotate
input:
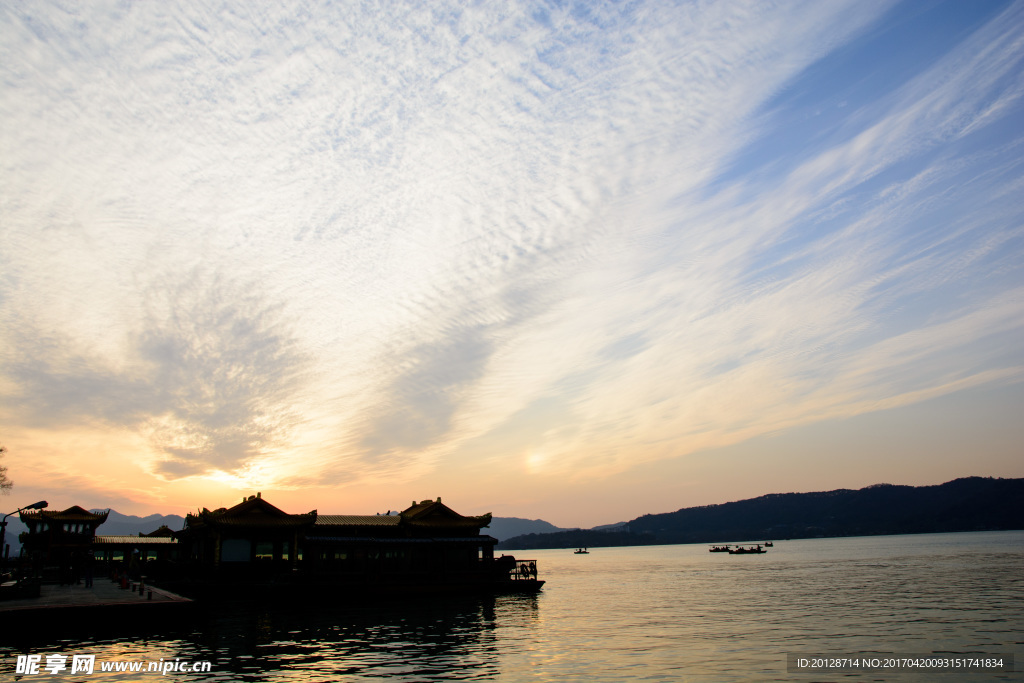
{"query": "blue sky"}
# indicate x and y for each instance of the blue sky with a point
(578, 261)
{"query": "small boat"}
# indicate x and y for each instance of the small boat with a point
(740, 550)
(719, 549)
(769, 544)
(581, 551)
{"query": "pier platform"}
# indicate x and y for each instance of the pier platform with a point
(78, 607)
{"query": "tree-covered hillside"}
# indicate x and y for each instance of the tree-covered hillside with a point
(970, 504)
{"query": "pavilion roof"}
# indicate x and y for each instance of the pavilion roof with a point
(72, 514)
(435, 514)
(358, 520)
(133, 540)
(428, 516)
(251, 512)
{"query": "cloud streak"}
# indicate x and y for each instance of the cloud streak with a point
(327, 244)
(211, 378)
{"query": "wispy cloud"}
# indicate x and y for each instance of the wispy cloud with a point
(323, 243)
(212, 376)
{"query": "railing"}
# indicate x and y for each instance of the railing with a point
(524, 570)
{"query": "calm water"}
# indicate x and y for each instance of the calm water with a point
(665, 613)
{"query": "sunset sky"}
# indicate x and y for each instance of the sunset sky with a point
(576, 261)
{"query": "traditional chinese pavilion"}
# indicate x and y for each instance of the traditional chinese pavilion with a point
(60, 538)
(156, 546)
(252, 533)
(426, 545)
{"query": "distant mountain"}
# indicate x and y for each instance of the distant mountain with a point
(577, 538)
(131, 525)
(116, 525)
(970, 504)
(507, 527)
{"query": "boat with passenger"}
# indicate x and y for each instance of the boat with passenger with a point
(718, 549)
(747, 550)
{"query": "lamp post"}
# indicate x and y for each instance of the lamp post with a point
(3, 528)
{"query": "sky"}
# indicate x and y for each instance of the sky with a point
(571, 261)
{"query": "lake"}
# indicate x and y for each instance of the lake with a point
(659, 613)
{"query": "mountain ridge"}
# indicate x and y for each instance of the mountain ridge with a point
(966, 504)
(995, 503)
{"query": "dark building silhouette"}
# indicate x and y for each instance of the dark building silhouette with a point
(427, 544)
(59, 543)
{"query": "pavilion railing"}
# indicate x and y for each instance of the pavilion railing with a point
(523, 570)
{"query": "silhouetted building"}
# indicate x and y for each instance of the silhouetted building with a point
(58, 543)
(425, 539)
(252, 533)
(427, 544)
(114, 549)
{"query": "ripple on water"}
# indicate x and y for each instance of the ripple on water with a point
(661, 613)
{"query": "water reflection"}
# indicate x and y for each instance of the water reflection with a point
(412, 640)
(426, 639)
(654, 613)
